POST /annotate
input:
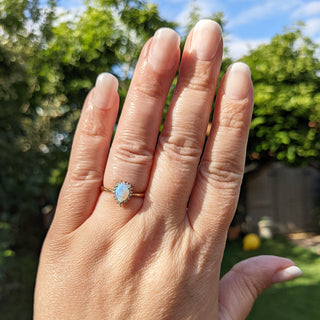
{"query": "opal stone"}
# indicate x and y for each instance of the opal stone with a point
(122, 192)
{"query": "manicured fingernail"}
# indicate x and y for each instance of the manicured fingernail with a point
(286, 274)
(105, 89)
(238, 81)
(163, 51)
(205, 39)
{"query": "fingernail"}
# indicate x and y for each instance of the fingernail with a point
(205, 39)
(105, 89)
(286, 274)
(238, 81)
(163, 51)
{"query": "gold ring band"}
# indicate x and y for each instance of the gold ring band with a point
(122, 192)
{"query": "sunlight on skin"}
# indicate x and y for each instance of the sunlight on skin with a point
(152, 258)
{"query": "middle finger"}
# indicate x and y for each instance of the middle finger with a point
(182, 138)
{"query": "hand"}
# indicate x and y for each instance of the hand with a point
(152, 258)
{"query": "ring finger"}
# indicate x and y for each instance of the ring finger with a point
(131, 154)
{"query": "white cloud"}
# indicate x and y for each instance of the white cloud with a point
(307, 10)
(267, 8)
(206, 7)
(70, 14)
(174, 1)
(238, 47)
(183, 16)
(312, 27)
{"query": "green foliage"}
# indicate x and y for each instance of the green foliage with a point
(286, 117)
(106, 37)
(24, 168)
(45, 74)
(47, 66)
(21, 161)
(16, 294)
(6, 239)
(195, 16)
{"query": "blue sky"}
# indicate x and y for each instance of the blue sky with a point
(249, 22)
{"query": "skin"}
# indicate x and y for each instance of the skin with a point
(152, 258)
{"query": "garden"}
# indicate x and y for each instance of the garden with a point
(48, 63)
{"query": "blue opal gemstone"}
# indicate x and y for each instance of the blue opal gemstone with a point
(122, 192)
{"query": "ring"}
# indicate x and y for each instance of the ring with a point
(122, 192)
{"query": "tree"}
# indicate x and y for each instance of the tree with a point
(24, 27)
(106, 37)
(286, 116)
(46, 69)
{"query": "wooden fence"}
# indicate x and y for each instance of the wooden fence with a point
(290, 197)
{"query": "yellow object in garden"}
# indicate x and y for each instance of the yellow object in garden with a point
(251, 242)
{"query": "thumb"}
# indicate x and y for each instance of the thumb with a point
(240, 287)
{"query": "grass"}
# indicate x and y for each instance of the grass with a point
(294, 300)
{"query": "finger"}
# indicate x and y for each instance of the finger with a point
(240, 287)
(81, 187)
(182, 138)
(215, 194)
(131, 154)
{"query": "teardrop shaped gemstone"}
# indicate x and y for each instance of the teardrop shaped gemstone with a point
(122, 192)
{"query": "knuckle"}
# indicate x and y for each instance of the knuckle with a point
(228, 121)
(235, 114)
(94, 131)
(92, 125)
(181, 150)
(224, 175)
(249, 287)
(133, 152)
(199, 79)
(149, 89)
(196, 84)
(82, 172)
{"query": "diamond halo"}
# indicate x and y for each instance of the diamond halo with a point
(122, 191)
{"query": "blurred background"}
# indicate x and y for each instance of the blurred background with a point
(50, 55)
